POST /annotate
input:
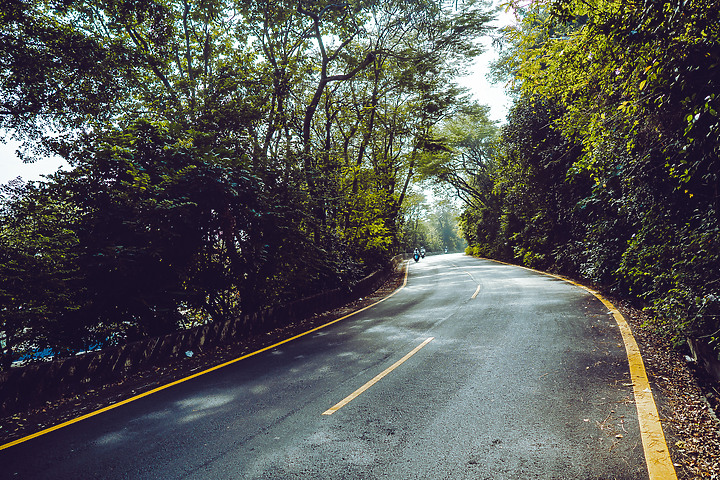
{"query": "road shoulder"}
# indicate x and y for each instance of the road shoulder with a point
(687, 401)
(71, 407)
(691, 427)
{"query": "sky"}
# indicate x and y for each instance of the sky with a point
(493, 95)
(482, 90)
(485, 92)
(12, 167)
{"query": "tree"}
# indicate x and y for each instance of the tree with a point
(227, 156)
(463, 151)
(39, 271)
(607, 168)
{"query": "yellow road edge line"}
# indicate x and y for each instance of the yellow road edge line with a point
(477, 290)
(195, 375)
(376, 379)
(657, 455)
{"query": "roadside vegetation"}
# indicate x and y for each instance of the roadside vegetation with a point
(608, 166)
(226, 155)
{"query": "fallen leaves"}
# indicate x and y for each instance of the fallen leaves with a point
(685, 399)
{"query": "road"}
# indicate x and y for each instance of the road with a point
(474, 370)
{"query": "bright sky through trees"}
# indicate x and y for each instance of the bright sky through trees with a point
(483, 91)
(491, 94)
(12, 167)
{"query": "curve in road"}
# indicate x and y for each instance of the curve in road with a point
(526, 377)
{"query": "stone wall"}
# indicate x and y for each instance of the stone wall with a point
(30, 386)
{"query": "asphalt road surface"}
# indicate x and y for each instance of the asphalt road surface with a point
(474, 370)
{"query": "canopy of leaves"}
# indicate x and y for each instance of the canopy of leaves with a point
(227, 155)
(608, 165)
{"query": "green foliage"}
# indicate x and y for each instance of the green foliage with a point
(227, 156)
(608, 165)
(433, 226)
(155, 201)
(39, 270)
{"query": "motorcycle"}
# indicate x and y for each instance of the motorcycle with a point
(416, 256)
